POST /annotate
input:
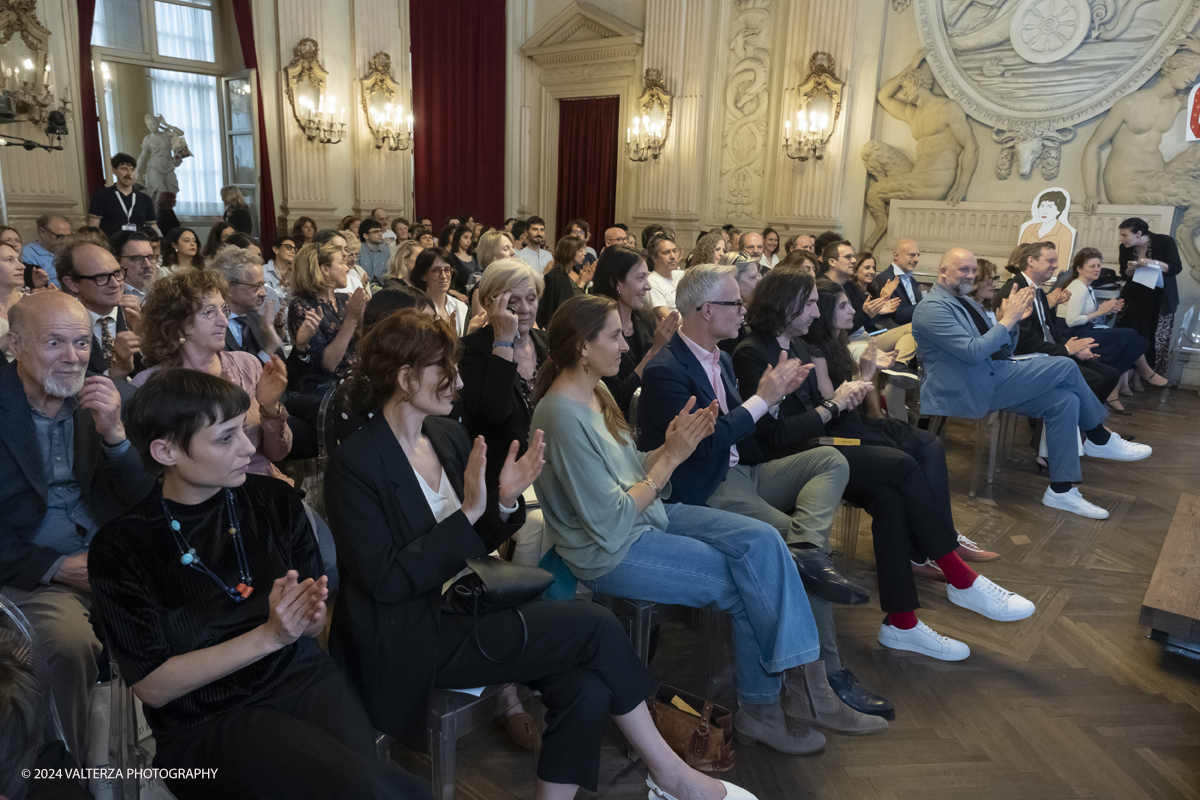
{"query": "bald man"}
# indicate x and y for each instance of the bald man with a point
(905, 257)
(752, 246)
(65, 470)
(614, 237)
(969, 373)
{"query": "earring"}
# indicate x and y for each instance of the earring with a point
(586, 371)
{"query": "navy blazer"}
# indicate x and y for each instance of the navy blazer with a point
(904, 312)
(960, 375)
(108, 487)
(250, 338)
(668, 381)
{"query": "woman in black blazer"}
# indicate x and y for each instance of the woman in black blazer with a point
(1150, 312)
(407, 505)
(500, 359)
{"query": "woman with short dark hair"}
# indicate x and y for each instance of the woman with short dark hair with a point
(568, 276)
(432, 274)
(1149, 310)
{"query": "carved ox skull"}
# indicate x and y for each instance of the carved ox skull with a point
(1028, 147)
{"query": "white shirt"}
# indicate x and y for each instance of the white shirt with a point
(538, 260)
(906, 283)
(353, 282)
(662, 291)
(768, 263)
(112, 325)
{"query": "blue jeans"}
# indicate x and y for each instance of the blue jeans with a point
(706, 556)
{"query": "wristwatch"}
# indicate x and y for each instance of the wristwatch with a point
(832, 408)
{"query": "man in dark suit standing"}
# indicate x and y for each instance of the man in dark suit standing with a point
(66, 468)
(91, 272)
(1042, 331)
(251, 316)
(905, 257)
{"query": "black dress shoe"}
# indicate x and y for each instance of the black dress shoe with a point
(855, 695)
(820, 578)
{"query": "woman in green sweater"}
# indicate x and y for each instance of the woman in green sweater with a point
(603, 511)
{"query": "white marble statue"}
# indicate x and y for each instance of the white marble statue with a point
(162, 151)
(947, 152)
(1135, 172)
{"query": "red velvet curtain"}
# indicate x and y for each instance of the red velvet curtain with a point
(588, 132)
(87, 118)
(458, 77)
(266, 201)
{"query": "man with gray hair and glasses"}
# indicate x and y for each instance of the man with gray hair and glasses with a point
(798, 494)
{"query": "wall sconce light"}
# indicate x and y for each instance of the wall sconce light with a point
(820, 97)
(25, 79)
(385, 117)
(651, 120)
(314, 112)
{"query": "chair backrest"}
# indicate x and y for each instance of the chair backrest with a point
(1189, 326)
(18, 629)
(633, 407)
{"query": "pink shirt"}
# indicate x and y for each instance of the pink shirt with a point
(711, 362)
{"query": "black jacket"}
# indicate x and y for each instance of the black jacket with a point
(107, 487)
(251, 342)
(1164, 249)
(626, 381)
(493, 406)
(904, 312)
(798, 423)
(393, 559)
(96, 359)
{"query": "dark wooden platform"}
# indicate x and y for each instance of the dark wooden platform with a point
(1171, 607)
(1074, 702)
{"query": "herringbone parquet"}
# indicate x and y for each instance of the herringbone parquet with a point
(1074, 702)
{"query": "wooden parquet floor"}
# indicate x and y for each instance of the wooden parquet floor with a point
(1074, 702)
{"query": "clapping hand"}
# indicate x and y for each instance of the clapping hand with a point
(850, 394)
(1059, 295)
(889, 288)
(518, 474)
(1016, 307)
(873, 359)
(310, 320)
(357, 304)
(1081, 348)
(781, 380)
(689, 428)
(295, 607)
(266, 327)
(474, 490)
(665, 330)
(1109, 306)
(476, 322)
(272, 382)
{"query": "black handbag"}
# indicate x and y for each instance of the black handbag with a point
(494, 585)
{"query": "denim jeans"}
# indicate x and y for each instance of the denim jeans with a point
(707, 556)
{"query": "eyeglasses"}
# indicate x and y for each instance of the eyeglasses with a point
(254, 286)
(288, 246)
(441, 271)
(208, 312)
(139, 259)
(103, 278)
(737, 303)
(58, 237)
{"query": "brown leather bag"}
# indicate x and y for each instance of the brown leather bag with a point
(703, 741)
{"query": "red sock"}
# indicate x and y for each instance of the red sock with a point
(956, 570)
(902, 620)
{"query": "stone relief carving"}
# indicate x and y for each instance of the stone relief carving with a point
(1030, 145)
(1135, 171)
(947, 151)
(744, 139)
(1033, 68)
(553, 75)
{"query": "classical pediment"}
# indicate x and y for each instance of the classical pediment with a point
(581, 31)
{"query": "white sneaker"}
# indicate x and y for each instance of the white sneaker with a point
(1117, 449)
(986, 598)
(731, 792)
(1072, 501)
(924, 640)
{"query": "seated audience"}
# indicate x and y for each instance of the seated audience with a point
(380, 215)
(534, 251)
(408, 503)
(121, 207)
(303, 231)
(1123, 349)
(622, 275)
(398, 231)
(663, 255)
(710, 248)
(356, 276)
(962, 379)
(251, 326)
(423, 236)
(983, 290)
(91, 273)
(329, 352)
(604, 510)
(67, 469)
(277, 275)
(217, 234)
(802, 260)
(136, 256)
(350, 223)
(567, 277)
(212, 593)
(242, 241)
(1033, 265)
(770, 254)
(828, 340)
(186, 323)
(400, 264)
(749, 272)
(237, 212)
(12, 289)
(182, 250)
(500, 359)
(614, 236)
(801, 241)
(432, 274)
(580, 229)
(52, 229)
(864, 274)
(797, 495)
(374, 253)
(462, 258)
(164, 211)
(906, 255)
(752, 247)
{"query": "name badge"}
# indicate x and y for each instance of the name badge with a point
(129, 227)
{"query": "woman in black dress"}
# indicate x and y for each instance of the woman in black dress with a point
(622, 274)
(212, 593)
(318, 271)
(1149, 311)
(567, 277)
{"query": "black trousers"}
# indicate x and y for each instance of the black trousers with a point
(313, 741)
(576, 655)
(1100, 378)
(906, 521)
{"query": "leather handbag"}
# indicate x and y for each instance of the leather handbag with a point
(494, 585)
(701, 735)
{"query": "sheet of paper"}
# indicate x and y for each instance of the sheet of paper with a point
(1147, 276)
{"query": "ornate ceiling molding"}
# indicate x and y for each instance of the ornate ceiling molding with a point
(583, 32)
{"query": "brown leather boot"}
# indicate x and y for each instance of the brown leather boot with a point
(808, 700)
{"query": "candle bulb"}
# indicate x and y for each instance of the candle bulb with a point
(787, 131)
(410, 130)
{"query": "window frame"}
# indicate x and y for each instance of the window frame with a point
(149, 55)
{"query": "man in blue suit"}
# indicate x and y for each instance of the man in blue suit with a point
(969, 372)
(905, 257)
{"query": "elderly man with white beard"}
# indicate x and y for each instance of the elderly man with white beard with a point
(66, 468)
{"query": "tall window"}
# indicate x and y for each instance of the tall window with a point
(174, 39)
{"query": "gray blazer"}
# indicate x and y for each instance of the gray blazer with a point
(959, 372)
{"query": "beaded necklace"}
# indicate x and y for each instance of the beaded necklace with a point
(189, 558)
